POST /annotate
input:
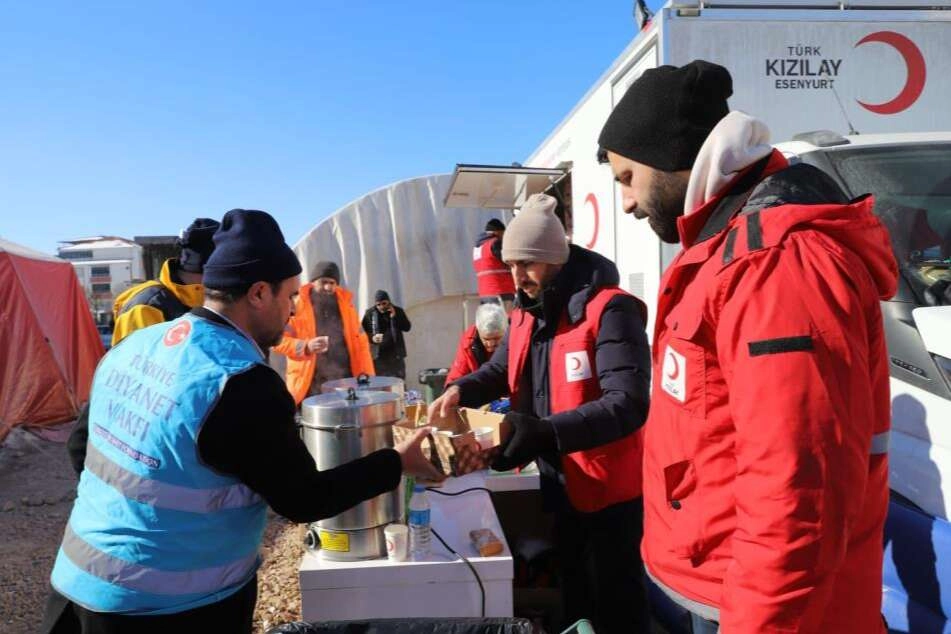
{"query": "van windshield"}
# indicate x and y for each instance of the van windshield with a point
(912, 187)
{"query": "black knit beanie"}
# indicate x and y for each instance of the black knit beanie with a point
(249, 248)
(326, 268)
(381, 296)
(197, 244)
(494, 225)
(667, 114)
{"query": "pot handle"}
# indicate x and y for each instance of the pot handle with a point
(339, 429)
(363, 379)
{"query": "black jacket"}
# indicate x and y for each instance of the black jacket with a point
(622, 357)
(251, 434)
(392, 329)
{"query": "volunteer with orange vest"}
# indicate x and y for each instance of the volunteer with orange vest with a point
(577, 365)
(323, 341)
(765, 455)
(492, 275)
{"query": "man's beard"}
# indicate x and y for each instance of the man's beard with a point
(665, 205)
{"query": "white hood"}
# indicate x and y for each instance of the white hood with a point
(738, 141)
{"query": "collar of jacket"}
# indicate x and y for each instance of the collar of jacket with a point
(702, 224)
(191, 295)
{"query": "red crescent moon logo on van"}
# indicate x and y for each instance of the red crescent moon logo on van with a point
(592, 200)
(177, 333)
(916, 72)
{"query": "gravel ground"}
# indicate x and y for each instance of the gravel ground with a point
(37, 486)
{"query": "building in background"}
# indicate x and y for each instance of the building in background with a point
(157, 249)
(105, 266)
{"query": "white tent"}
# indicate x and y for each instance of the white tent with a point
(401, 239)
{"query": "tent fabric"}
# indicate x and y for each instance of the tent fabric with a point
(49, 345)
(400, 238)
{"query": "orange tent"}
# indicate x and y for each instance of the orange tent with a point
(49, 345)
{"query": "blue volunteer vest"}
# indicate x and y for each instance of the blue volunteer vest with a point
(153, 530)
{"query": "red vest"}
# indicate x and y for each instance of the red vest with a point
(599, 477)
(493, 276)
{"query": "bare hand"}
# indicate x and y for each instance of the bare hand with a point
(318, 345)
(412, 458)
(392, 311)
(377, 338)
(441, 407)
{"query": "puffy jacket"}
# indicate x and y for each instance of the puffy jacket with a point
(765, 472)
(302, 327)
(607, 406)
(470, 355)
(600, 476)
(492, 276)
(154, 302)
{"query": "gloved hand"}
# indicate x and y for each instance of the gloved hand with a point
(530, 437)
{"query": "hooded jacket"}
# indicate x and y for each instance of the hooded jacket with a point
(620, 362)
(154, 302)
(302, 327)
(765, 472)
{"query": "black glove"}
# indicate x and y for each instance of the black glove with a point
(530, 437)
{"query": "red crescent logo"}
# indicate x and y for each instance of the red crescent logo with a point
(915, 65)
(676, 371)
(177, 333)
(576, 364)
(593, 200)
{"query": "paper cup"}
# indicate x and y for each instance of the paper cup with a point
(484, 436)
(397, 542)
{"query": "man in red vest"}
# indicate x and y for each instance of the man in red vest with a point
(765, 464)
(576, 363)
(492, 275)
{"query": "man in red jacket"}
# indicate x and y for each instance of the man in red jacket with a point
(765, 465)
(479, 341)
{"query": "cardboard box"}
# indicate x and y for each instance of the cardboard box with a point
(459, 450)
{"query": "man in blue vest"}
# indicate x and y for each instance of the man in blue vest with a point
(191, 438)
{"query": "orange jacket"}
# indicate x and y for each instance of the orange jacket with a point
(303, 327)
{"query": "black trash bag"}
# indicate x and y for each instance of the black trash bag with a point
(410, 626)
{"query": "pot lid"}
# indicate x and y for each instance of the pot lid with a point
(352, 408)
(363, 383)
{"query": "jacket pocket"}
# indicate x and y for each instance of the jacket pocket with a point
(682, 369)
(683, 509)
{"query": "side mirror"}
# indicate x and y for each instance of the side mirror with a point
(934, 326)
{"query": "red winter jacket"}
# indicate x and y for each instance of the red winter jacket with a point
(466, 361)
(765, 472)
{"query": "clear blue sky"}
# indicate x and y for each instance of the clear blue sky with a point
(134, 118)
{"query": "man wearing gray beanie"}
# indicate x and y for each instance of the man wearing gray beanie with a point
(770, 409)
(576, 363)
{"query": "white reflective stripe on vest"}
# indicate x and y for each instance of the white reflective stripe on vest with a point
(163, 495)
(144, 579)
(880, 443)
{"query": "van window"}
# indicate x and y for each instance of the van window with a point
(912, 188)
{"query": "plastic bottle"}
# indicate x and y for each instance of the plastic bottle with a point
(419, 524)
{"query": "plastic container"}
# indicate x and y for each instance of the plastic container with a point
(420, 527)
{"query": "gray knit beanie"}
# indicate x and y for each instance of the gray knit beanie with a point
(536, 234)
